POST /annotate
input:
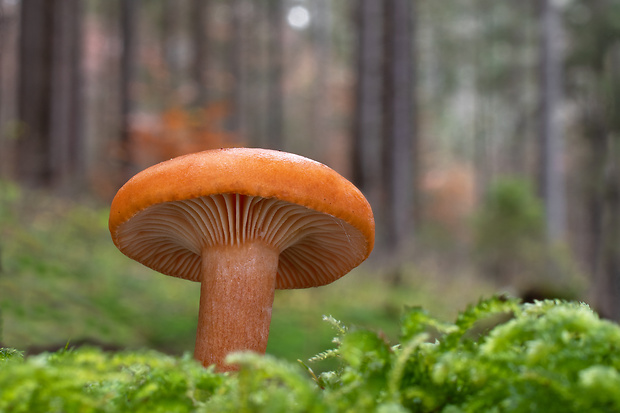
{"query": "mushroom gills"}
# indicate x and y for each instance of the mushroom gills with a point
(315, 248)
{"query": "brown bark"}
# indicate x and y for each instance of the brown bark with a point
(49, 93)
(200, 42)
(551, 133)
(398, 123)
(367, 119)
(275, 94)
(127, 68)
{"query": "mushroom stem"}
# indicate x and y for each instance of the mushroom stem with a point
(236, 296)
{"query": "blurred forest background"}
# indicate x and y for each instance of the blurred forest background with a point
(485, 134)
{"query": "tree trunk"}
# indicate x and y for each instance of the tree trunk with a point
(367, 120)
(49, 93)
(552, 139)
(608, 274)
(384, 145)
(607, 271)
(320, 101)
(275, 94)
(238, 61)
(3, 36)
(128, 36)
(7, 88)
(67, 113)
(199, 11)
(398, 123)
(34, 94)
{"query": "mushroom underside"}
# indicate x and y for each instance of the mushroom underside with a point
(315, 248)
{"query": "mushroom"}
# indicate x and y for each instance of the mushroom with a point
(242, 222)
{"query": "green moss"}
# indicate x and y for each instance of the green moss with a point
(550, 356)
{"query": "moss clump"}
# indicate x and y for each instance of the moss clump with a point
(498, 356)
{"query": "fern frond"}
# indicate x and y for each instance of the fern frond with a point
(336, 325)
(325, 355)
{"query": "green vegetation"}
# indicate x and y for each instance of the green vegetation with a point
(510, 244)
(498, 356)
(62, 280)
(510, 222)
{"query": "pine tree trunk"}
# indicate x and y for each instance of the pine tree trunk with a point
(49, 151)
(368, 116)
(608, 274)
(607, 270)
(321, 107)
(66, 108)
(552, 139)
(238, 121)
(34, 93)
(275, 95)
(198, 16)
(385, 145)
(398, 123)
(128, 36)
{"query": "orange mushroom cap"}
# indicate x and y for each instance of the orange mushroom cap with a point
(321, 224)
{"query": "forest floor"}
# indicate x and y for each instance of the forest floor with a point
(63, 281)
